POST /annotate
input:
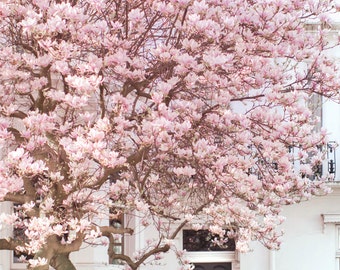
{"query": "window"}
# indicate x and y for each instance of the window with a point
(206, 255)
(333, 220)
(116, 242)
(116, 220)
(203, 240)
(315, 105)
(19, 234)
(212, 266)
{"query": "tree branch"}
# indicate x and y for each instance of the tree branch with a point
(135, 265)
(154, 251)
(9, 244)
(62, 262)
(131, 160)
(110, 229)
(68, 248)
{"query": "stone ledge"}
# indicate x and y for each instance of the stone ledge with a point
(330, 218)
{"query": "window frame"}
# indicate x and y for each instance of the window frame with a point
(337, 251)
(211, 256)
(121, 243)
(15, 265)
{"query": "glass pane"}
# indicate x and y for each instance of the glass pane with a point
(117, 249)
(202, 240)
(116, 261)
(117, 244)
(213, 266)
(116, 223)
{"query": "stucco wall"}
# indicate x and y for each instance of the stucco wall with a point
(308, 243)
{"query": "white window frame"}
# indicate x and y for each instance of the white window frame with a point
(212, 256)
(334, 219)
(337, 252)
(17, 265)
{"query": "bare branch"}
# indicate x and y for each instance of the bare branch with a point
(9, 244)
(109, 229)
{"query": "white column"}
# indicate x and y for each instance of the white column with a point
(5, 255)
(331, 121)
(272, 263)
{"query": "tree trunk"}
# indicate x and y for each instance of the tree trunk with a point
(39, 267)
(62, 262)
(44, 253)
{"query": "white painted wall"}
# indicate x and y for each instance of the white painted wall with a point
(308, 244)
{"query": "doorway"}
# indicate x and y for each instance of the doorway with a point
(212, 266)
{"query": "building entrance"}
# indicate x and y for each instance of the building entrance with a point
(212, 266)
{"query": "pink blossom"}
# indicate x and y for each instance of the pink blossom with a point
(16, 155)
(37, 262)
(186, 171)
(29, 23)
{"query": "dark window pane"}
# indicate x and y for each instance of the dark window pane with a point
(202, 240)
(212, 266)
(19, 234)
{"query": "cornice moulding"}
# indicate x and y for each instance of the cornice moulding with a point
(331, 218)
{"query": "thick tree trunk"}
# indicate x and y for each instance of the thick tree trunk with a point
(39, 267)
(44, 253)
(62, 262)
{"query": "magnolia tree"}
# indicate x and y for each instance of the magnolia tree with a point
(181, 112)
